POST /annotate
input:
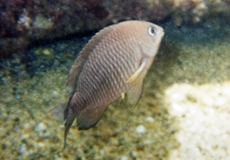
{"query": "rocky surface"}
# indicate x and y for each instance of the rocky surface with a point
(202, 113)
(184, 110)
(24, 23)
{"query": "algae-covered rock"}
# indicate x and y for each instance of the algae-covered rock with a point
(24, 23)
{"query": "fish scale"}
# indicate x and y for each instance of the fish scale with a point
(112, 64)
(113, 76)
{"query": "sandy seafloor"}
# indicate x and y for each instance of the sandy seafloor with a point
(184, 112)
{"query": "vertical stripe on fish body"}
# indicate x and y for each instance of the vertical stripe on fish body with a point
(113, 63)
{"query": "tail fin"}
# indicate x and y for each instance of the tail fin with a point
(58, 112)
(69, 118)
(65, 115)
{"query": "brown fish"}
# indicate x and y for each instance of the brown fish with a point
(113, 63)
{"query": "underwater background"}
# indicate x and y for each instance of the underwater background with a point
(183, 113)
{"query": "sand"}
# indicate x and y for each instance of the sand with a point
(183, 113)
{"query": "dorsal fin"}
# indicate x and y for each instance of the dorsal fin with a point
(76, 69)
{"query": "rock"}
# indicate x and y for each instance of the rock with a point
(41, 127)
(149, 120)
(202, 113)
(22, 25)
(134, 155)
(124, 158)
(140, 129)
(23, 149)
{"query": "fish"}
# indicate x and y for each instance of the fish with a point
(112, 65)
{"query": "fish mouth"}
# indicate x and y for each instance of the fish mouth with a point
(162, 32)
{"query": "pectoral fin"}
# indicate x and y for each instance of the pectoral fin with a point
(134, 93)
(137, 73)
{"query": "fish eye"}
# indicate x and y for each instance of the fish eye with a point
(151, 31)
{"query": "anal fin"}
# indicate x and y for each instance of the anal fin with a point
(90, 116)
